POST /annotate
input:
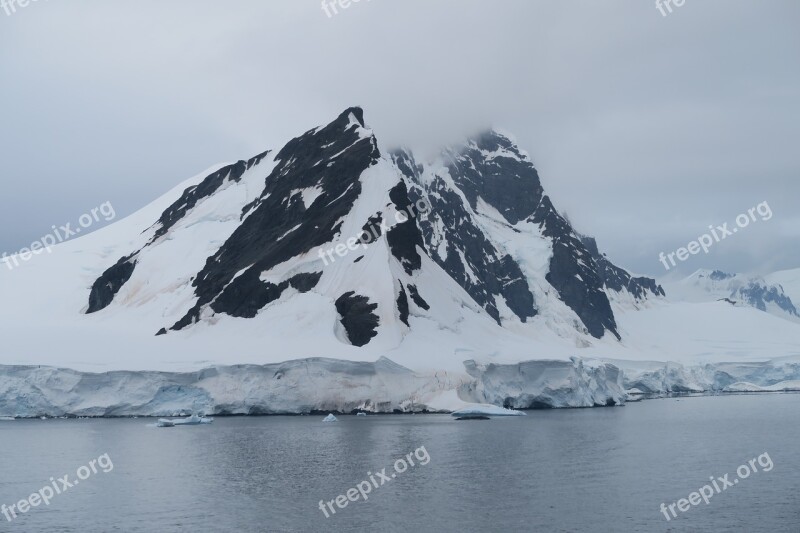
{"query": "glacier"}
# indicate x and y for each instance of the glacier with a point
(319, 385)
(545, 383)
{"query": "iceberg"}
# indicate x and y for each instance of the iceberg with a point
(194, 420)
(486, 410)
(330, 418)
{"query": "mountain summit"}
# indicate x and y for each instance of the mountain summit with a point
(468, 236)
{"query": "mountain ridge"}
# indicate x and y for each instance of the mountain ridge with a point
(330, 160)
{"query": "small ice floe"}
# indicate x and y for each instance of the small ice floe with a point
(330, 418)
(361, 414)
(483, 412)
(635, 395)
(7, 418)
(194, 420)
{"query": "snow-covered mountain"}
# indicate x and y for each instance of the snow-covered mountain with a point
(740, 289)
(788, 281)
(452, 272)
(331, 246)
(473, 230)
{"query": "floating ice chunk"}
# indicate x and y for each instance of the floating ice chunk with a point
(330, 418)
(486, 410)
(193, 420)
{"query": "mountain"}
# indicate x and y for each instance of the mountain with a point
(788, 281)
(740, 289)
(335, 258)
(469, 233)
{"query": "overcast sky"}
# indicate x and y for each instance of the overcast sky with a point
(645, 129)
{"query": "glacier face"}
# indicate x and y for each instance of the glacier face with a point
(293, 387)
(306, 386)
(320, 385)
(670, 377)
(545, 383)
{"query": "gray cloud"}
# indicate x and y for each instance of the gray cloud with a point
(645, 129)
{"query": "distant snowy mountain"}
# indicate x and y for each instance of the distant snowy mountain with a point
(457, 274)
(738, 289)
(788, 281)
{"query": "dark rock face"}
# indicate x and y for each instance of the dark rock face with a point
(719, 275)
(469, 257)
(402, 305)
(491, 169)
(372, 229)
(246, 303)
(405, 236)
(279, 226)
(106, 287)
(617, 279)
(574, 273)
(305, 282)
(503, 180)
(358, 318)
(758, 295)
(421, 303)
(206, 188)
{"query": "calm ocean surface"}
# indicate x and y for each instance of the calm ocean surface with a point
(592, 470)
